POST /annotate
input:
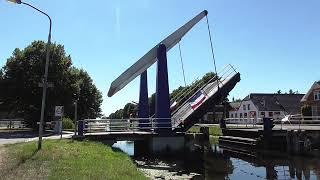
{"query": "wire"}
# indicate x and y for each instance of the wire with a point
(212, 52)
(184, 77)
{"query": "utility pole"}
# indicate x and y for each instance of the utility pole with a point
(45, 77)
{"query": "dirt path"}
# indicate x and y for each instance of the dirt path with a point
(2, 160)
(1, 156)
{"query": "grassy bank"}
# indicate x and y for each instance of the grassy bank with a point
(66, 159)
(214, 130)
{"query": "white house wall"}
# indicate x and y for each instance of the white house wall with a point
(253, 110)
(242, 111)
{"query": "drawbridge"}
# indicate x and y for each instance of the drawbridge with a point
(182, 112)
(210, 94)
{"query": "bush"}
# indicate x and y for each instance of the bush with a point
(306, 110)
(67, 123)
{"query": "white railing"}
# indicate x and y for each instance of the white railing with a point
(296, 122)
(12, 123)
(299, 122)
(125, 125)
(185, 109)
(248, 122)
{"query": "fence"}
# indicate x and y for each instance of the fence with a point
(125, 125)
(12, 123)
(290, 121)
(247, 122)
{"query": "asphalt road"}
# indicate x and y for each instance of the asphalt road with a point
(276, 127)
(19, 137)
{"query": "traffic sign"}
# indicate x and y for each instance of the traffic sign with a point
(58, 111)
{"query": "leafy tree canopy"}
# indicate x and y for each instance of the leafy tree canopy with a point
(23, 71)
(181, 94)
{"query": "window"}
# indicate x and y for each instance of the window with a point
(245, 115)
(316, 95)
(236, 115)
(262, 114)
(248, 107)
(240, 115)
(277, 113)
(231, 115)
(270, 114)
(244, 107)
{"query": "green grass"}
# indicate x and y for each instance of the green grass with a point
(214, 130)
(67, 159)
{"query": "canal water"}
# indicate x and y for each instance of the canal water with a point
(209, 161)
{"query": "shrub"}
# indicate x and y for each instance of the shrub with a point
(67, 123)
(306, 110)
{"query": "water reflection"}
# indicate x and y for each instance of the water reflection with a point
(204, 160)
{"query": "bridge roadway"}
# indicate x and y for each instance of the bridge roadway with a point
(142, 135)
(250, 127)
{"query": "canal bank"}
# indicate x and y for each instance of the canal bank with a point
(65, 159)
(206, 160)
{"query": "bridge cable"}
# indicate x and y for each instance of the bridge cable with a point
(212, 52)
(184, 77)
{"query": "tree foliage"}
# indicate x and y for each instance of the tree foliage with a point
(181, 94)
(23, 71)
(306, 110)
(289, 92)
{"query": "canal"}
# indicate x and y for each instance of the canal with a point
(207, 160)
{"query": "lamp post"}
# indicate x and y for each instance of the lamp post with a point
(45, 77)
(76, 96)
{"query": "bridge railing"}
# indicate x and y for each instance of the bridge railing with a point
(125, 125)
(184, 109)
(292, 122)
(244, 122)
(299, 122)
(12, 123)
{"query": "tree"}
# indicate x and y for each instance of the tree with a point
(306, 110)
(291, 91)
(186, 92)
(127, 110)
(23, 72)
(236, 100)
(90, 98)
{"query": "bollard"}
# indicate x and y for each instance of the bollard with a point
(80, 127)
(205, 132)
(223, 124)
(267, 124)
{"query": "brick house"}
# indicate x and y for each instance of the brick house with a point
(312, 98)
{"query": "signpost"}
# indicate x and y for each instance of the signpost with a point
(58, 112)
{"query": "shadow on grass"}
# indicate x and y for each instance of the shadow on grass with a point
(15, 165)
(24, 159)
(115, 149)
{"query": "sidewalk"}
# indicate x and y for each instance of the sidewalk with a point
(16, 139)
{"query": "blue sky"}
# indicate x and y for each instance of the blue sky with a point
(274, 44)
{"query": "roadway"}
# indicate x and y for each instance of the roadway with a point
(13, 138)
(314, 127)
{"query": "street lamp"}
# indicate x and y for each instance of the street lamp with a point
(45, 77)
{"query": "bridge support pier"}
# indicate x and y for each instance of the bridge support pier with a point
(163, 114)
(143, 102)
(160, 145)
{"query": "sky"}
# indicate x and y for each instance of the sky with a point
(273, 44)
